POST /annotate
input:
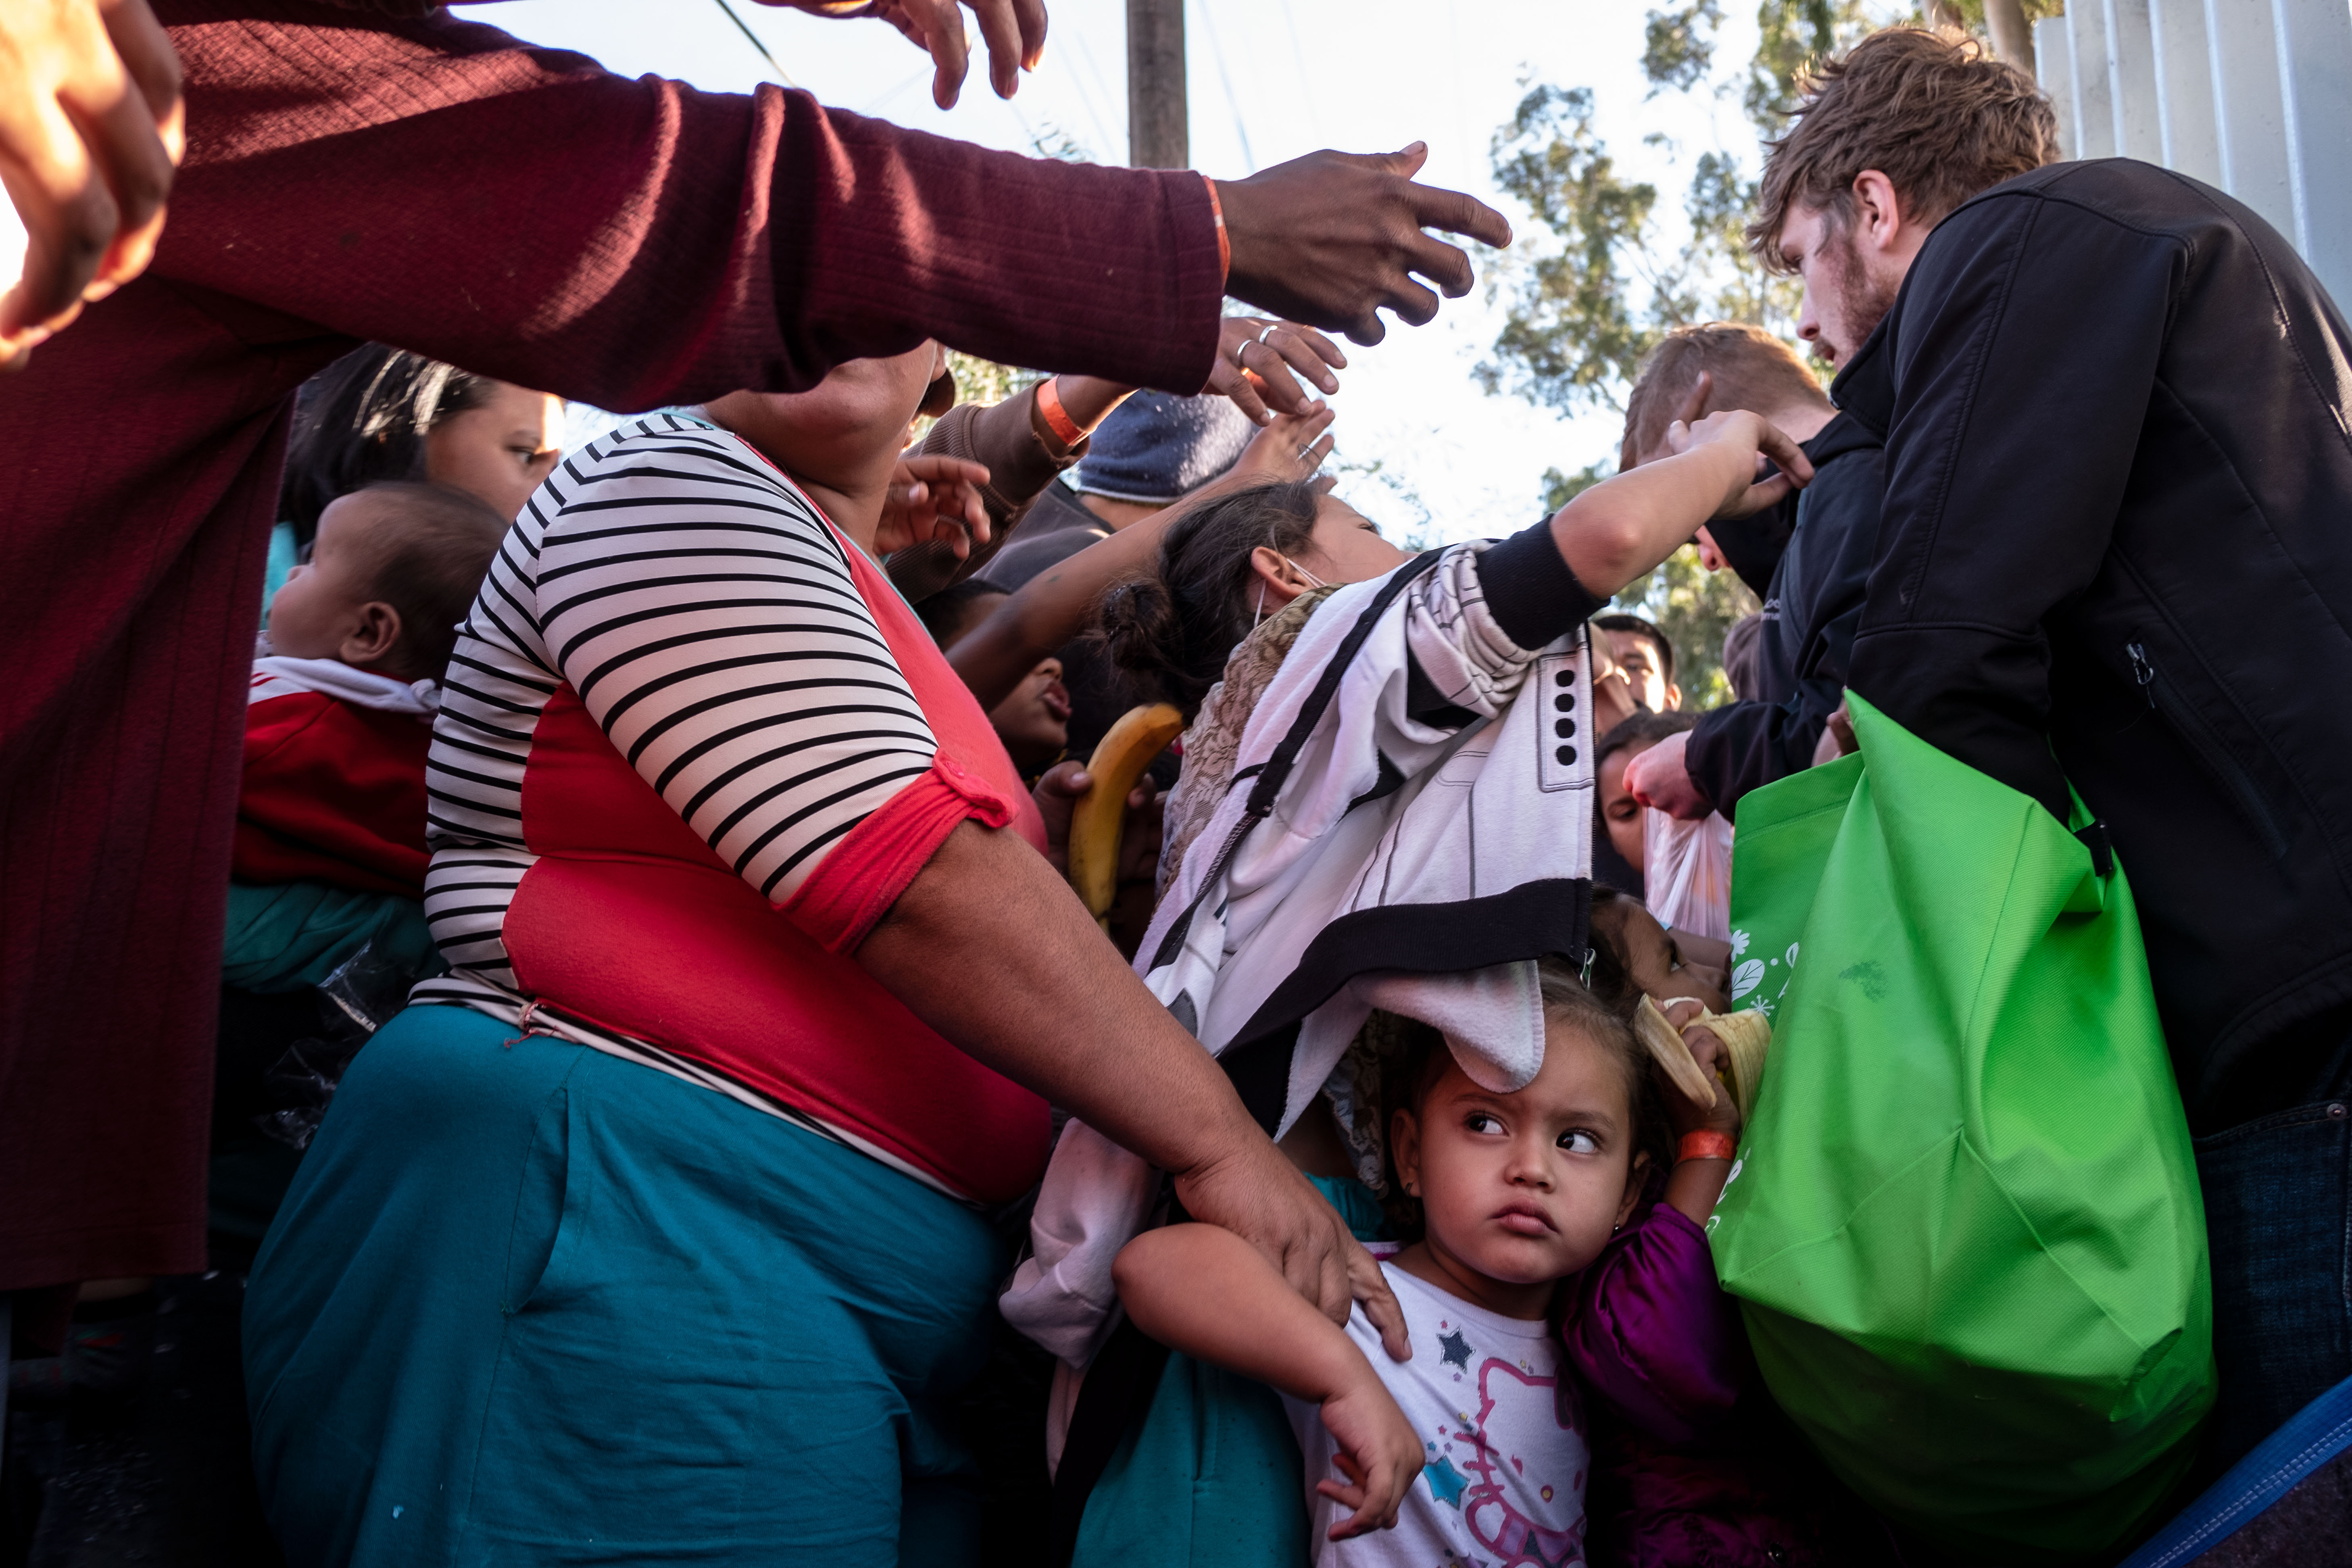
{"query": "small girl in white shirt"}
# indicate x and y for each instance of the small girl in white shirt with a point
(1475, 1449)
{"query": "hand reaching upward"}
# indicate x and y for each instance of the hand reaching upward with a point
(89, 135)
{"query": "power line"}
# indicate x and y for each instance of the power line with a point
(743, 28)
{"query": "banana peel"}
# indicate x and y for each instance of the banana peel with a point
(1099, 817)
(1665, 1044)
(1745, 1035)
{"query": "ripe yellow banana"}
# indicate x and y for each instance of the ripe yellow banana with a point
(1099, 815)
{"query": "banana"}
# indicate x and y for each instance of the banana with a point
(1099, 815)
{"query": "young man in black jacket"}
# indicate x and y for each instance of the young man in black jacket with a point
(2116, 549)
(1808, 559)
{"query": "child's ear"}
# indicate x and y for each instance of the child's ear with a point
(1404, 1149)
(1636, 1178)
(374, 633)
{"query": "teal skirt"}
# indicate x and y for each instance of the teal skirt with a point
(527, 1303)
(1210, 1477)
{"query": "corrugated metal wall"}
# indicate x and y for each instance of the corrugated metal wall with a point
(2254, 96)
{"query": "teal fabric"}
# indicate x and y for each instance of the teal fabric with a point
(292, 935)
(528, 1303)
(1358, 1205)
(1212, 1478)
(283, 555)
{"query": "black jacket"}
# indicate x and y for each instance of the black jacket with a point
(1812, 602)
(2117, 528)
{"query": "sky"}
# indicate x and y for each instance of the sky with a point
(1268, 81)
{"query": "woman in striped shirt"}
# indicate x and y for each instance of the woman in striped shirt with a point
(670, 1237)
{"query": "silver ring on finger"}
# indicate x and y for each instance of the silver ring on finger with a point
(1269, 331)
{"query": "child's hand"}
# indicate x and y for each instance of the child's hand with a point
(1378, 1449)
(1723, 1116)
(1750, 437)
(1057, 791)
(1256, 357)
(933, 498)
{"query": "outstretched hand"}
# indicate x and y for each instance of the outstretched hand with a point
(1014, 31)
(1256, 357)
(934, 497)
(1334, 238)
(1749, 488)
(90, 130)
(1289, 450)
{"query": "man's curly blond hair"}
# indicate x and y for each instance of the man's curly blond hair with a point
(1932, 110)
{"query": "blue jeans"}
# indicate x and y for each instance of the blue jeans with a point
(2278, 1220)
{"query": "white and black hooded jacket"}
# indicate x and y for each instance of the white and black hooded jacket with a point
(1409, 826)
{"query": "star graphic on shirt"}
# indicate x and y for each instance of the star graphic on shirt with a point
(1457, 1349)
(1445, 1482)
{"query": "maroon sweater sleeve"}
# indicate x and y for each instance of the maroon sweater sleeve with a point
(634, 243)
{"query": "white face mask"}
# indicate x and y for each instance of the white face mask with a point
(1312, 580)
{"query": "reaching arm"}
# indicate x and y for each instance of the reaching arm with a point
(1061, 1013)
(1203, 1290)
(1055, 606)
(1621, 528)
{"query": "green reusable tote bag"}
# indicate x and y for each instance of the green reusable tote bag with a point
(1964, 1228)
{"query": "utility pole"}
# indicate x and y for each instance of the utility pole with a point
(1157, 119)
(2013, 36)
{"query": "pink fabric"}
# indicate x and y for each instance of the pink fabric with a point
(431, 183)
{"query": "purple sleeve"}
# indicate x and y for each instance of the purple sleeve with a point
(1654, 1335)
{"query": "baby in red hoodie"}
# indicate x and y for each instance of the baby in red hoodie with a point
(343, 698)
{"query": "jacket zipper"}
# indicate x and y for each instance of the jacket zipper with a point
(2190, 726)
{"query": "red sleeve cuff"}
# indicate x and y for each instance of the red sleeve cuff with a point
(867, 872)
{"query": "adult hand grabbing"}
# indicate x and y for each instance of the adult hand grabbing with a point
(90, 130)
(1333, 238)
(1260, 1196)
(1013, 30)
(1255, 361)
(1660, 778)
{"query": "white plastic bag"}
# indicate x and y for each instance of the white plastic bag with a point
(1686, 871)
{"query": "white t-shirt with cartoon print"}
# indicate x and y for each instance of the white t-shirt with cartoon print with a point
(1503, 1431)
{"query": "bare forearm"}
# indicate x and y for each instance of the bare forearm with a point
(1051, 1005)
(1056, 604)
(1619, 530)
(1201, 1290)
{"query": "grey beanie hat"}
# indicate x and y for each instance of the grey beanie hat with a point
(1155, 446)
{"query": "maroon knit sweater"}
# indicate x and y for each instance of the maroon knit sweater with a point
(521, 212)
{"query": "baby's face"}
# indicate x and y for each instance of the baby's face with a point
(318, 608)
(1034, 722)
(1522, 1189)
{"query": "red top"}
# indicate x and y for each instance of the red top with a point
(518, 211)
(627, 920)
(333, 792)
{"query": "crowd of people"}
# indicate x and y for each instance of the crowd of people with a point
(666, 1099)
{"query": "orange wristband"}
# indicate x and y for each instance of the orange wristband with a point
(1225, 244)
(1705, 1145)
(1058, 419)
